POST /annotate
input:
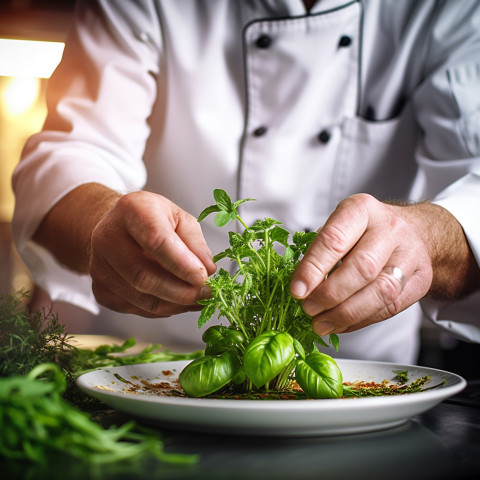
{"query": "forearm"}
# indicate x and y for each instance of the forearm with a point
(455, 270)
(66, 230)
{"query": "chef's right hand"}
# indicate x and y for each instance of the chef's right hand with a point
(149, 257)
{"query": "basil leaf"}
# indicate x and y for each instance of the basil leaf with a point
(208, 374)
(334, 340)
(207, 211)
(280, 235)
(223, 200)
(240, 376)
(289, 254)
(218, 339)
(235, 240)
(243, 200)
(319, 376)
(222, 218)
(265, 224)
(267, 355)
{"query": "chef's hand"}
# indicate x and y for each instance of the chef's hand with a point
(149, 257)
(145, 254)
(391, 256)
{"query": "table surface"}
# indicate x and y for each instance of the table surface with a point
(442, 443)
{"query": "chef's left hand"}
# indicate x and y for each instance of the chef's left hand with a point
(388, 256)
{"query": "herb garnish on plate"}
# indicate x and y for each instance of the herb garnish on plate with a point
(269, 340)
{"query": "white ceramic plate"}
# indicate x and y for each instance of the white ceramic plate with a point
(270, 417)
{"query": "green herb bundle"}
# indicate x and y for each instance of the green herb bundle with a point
(269, 337)
(28, 339)
(37, 423)
(43, 412)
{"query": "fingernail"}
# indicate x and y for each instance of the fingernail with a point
(197, 278)
(205, 292)
(323, 328)
(298, 288)
(312, 308)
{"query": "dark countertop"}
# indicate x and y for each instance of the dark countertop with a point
(442, 443)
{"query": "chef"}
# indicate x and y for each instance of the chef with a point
(357, 118)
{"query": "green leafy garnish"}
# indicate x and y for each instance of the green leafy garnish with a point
(363, 389)
(402, 375)
(268, 333)
(28, 339)
(43, 412)
(38, 423)
(83, 360)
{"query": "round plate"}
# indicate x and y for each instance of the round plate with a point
(269, 417)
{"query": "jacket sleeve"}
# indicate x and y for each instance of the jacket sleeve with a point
(99, 100)
(447, 107)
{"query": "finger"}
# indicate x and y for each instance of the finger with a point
(359, 268)
(145, 306)
(383, 298)
(190, 231)
(134, 274)
(335, 239)
(173, 255)
(118, 295)
(410, 291)
(359, 307)
(153, 227)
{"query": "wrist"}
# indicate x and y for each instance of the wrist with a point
(66, 229)
(455, 270)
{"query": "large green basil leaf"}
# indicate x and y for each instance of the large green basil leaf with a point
(222, 218)
(267, 355)
(209, 373)
(319, 376)
(219, 339)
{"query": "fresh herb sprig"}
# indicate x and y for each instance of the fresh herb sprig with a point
(269, 335)
(83, 360)
(38, 423)
(401, 375)
(43, 412)
(29, 338)
(365, 389)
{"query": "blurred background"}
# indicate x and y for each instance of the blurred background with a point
(32, 33)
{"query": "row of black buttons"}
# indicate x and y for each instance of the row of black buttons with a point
(323, 137)
(264, 41)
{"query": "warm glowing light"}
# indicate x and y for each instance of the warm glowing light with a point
(27, 58)
(20, 94)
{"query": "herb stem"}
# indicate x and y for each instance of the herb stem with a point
(239, 218)
(233, 317)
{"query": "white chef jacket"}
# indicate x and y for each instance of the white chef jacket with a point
(297, 110)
